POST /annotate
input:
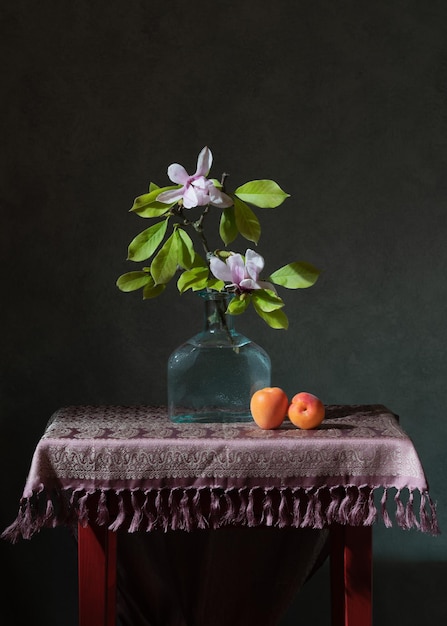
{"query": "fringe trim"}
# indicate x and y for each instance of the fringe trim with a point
(194, 508)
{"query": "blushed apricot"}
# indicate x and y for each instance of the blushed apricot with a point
(306, 410)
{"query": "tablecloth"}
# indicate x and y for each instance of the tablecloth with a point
(133, 469)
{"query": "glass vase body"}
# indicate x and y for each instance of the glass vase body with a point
(212, 376)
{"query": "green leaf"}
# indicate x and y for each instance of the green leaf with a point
(195, 279)
(238, 304)
(133, 281)
(267, 300)
(275, 319)
(152, 290)
(186, 251)
(199, 261)
(246, 221)
(145, 244)
(297, 275)
(262, 193)
(153, 186)
(147, 205)
(165, 262)
(228, 230)
(215, 283)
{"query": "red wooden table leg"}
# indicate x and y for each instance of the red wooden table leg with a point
(351, 575)
(97, 576)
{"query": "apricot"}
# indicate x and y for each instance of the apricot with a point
(306, 411)
(268, 407)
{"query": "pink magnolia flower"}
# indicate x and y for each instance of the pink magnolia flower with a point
(196, 190)
(242, 274)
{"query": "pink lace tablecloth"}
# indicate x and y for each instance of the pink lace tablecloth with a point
(132, 468)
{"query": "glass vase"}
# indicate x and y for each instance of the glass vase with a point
(212, 376)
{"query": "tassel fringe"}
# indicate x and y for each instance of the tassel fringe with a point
(193, 508)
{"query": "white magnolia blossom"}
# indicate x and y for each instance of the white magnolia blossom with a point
(196, 190)
(241, 274)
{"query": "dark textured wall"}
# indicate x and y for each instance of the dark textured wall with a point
(343, 103)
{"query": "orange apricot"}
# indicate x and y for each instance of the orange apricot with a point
(268, 407)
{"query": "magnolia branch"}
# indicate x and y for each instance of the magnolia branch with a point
(197, 225)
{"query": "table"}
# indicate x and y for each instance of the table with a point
(110, 468)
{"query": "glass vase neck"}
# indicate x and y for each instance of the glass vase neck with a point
(216, 319)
